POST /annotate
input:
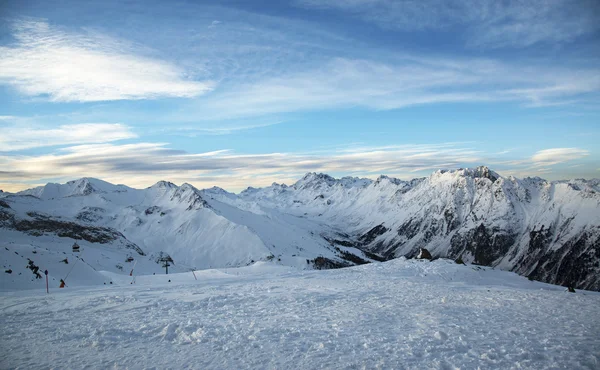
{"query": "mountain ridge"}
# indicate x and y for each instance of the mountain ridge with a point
(549, 231)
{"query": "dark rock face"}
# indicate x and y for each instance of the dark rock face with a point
(350, 257)
(345, 243)
(90, 214)
(571, 265)
(7, 218)
(92, 234)
(152, 210)
(409, 229)
(322, 263)
(486, 245)
(452, 222)
(539, 242)
(370, 235)
(3, 204)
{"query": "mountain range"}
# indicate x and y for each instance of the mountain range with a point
(546, 230)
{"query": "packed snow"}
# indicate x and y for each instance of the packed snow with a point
(410, 314)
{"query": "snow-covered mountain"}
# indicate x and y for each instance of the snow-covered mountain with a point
(117, 227)
(549, 231)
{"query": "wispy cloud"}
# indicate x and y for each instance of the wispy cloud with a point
(491, 23)
(525, 23)
(218, 127)
(142, 164)
(85, 66)
(410, 80)
(548, 162)
(265, 68)
(549, 157)
(18, 137)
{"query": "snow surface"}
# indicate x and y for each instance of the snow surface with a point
(398, 314)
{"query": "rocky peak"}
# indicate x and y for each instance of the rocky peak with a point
(163, 185)
(350, 182)
(481, 172)
(313, 179)
(82, 186)
(384, 178)
(188, 194)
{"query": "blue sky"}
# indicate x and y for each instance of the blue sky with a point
(245, 93)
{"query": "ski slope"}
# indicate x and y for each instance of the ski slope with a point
(398, 314)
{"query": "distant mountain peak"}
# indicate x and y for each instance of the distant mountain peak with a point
(392, 180)
(473, 172)
(162, 184)
(188, 194)
(310, 176)
(312, 179)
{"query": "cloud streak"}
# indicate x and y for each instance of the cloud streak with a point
(407, 81)
(550, 157)
(142, 164)
(19, 138)
(85, 67)
(490, 24)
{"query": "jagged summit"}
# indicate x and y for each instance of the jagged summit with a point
(189, 195)
(384, 178)
(217, 189)
(472, 172)
(162, 184)
(481, 172)
(313, 178)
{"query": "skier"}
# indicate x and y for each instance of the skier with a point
(62, 283)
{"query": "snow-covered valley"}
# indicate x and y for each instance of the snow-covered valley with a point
(402, 314)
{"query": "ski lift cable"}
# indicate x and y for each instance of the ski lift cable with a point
(71, 270)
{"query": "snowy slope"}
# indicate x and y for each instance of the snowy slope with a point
(405, 314)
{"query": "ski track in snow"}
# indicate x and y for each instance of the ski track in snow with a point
(402, 314)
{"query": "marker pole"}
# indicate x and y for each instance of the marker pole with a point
(194, 275)
(47, 291)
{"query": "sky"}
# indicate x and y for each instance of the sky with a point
(246, 93)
